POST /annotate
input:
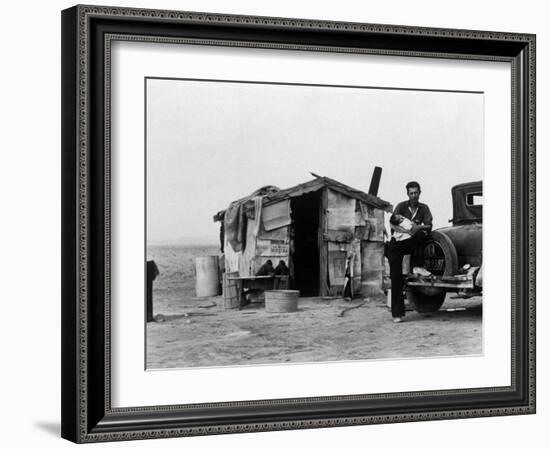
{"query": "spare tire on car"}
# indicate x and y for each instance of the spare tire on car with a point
(440, 258)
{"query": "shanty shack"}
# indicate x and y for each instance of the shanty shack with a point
(314, 228)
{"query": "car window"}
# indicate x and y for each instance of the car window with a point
(474, 199)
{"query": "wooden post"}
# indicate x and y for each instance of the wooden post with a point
(323, 245)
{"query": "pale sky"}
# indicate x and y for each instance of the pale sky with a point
(209, 143)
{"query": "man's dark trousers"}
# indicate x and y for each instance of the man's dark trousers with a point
(396, 251)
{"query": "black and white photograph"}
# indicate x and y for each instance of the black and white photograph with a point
(300, 223)
(292, 220)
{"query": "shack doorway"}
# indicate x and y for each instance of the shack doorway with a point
(305, 211)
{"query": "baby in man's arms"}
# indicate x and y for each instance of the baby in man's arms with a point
(401, 226)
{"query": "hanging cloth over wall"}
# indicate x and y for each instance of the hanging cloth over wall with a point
(231, 259)
(235, 221)
(257, 215)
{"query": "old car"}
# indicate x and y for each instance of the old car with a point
(453, 255)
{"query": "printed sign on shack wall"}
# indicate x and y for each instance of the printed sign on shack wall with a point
(272, 248)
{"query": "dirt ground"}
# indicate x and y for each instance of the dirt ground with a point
(200, 332)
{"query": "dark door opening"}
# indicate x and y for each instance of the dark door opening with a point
(305, 257)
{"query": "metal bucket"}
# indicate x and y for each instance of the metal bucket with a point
(208, 276)
(278, 301)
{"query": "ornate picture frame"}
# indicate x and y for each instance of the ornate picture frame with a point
(88, 33)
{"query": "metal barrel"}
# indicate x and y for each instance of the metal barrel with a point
(208, 276)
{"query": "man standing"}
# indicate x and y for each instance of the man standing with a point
(407, 241)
